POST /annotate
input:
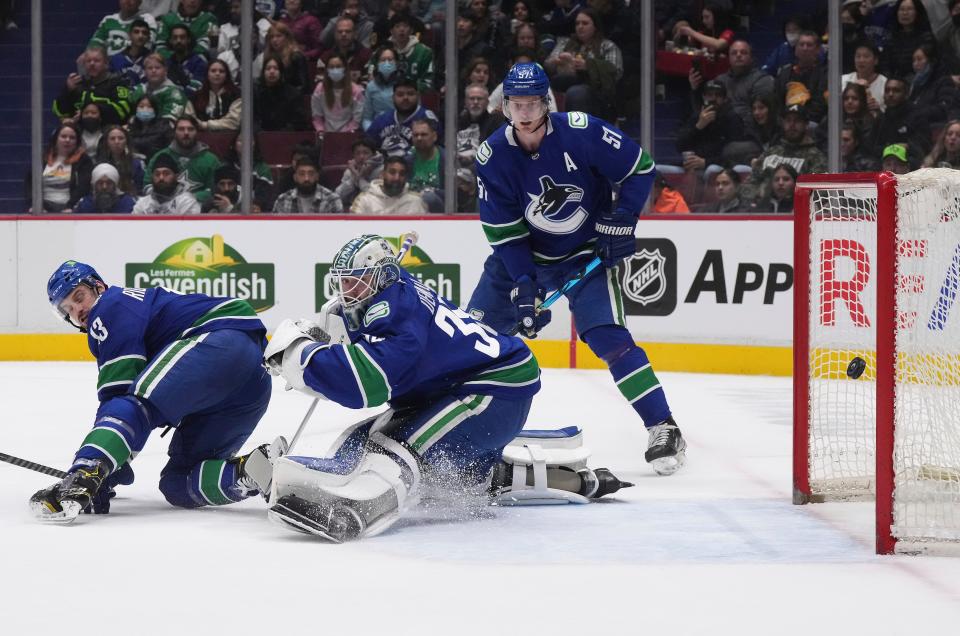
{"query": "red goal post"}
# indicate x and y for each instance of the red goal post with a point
(876, 356)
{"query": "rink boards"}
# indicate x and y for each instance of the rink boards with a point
(704, 294)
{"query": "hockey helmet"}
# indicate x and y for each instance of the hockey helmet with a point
(361, 269)
(65, 279)
(526, 78)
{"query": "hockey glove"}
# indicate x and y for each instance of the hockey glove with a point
(615, 240)
(526, 296)
(62, 502)
(290, 333)
(100, 505)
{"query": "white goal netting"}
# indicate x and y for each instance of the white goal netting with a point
(844, 262)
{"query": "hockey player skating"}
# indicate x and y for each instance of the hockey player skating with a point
(544, 188)
(189, 361)
(458, 394)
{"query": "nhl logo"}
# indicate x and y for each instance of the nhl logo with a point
(644, 278)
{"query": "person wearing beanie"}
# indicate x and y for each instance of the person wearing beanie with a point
(105, 196)
(167, 195)
(226, 191)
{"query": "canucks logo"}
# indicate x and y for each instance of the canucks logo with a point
(549, 212)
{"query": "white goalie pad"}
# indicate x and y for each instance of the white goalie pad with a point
(551, 455)
(377, 489)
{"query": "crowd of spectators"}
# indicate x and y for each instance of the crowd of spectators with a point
(163, 78)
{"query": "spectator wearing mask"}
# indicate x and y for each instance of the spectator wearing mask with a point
(378, 95)
(170, 99)
(308, 196)
(167, 195)
(149, 133)
(337, 102)
(390, 194)
(91, 129)
(783, 54)
(66, 171)
(352, 54)
(106, 197)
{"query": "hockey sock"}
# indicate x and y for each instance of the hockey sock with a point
(214, 482)
(631, 370)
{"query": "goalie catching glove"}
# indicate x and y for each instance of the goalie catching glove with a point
(63, 502)
(283, 353)
(615, 240)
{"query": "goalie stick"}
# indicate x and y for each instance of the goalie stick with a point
(567, 286)
(408, 240)
(25, 463)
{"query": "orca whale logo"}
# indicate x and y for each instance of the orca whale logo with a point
(544, 210)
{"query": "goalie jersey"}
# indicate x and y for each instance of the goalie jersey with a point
(413, 347)
(128, 327)
(547, 202)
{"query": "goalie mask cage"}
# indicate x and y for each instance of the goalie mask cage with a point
(877, 271)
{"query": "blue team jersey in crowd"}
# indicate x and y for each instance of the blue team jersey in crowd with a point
(551, 199)
(128, 327)
(414, 346)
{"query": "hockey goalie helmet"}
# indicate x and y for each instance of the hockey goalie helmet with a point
(526, 79)
(64, 280)
(362, 268)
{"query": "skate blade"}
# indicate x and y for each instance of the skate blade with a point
(291, 520)
(71, 510)
(668, 465)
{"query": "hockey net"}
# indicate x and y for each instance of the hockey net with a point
(877, 276)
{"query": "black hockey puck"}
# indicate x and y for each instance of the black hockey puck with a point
(856, 368)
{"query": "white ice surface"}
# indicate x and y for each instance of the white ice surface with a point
(715, 549)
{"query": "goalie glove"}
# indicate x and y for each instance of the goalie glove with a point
(283, 353)
(526, 297)
(63, 502)
(615, 240)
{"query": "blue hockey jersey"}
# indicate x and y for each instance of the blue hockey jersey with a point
(414, 346)
(540, 208)
(128, 327)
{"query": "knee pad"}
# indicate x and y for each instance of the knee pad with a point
(542, 468)
(609, 342)
(175, 489)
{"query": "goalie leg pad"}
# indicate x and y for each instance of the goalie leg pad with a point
(352, 496)
(542, 468)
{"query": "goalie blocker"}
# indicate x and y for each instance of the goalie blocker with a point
(371, 479)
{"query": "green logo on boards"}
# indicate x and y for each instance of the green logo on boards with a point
(443, 278)
(206, 266)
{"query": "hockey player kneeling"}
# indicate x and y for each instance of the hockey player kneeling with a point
(189, 361)
(459, 394)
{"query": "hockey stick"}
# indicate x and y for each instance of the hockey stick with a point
(408, 240)
(567, 286)
(40, 468)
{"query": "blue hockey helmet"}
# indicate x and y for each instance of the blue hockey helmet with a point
(526, 78)
(65, 279)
